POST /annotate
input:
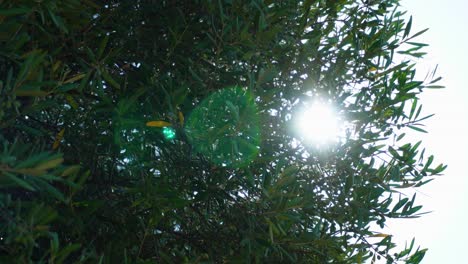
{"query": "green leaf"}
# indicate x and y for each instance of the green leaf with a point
(19, 181)
(67, 87)
(417, 44)
(109, 79)
(439, 169)
(48, 188)
(49, 164)
(400, 204)
(66, 251)
(418, 34)
(54, 242)
(15, 11)
(411, 85)
(413, 210)
(417, 257)
(434, 86)
(30, 93)
(417, 129)
(413, 108)
(408, 27)
(57, 21)
(158, 123)
(71, 101)
(401, 136)
(436, 79)
(102, 46)
(85, 81)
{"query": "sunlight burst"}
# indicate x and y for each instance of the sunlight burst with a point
(318, 124)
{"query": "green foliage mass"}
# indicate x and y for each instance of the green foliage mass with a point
(84, 180)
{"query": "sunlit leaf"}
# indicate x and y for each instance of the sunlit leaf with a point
(49, 164)
(71, 101)
(158, 123)
(58, 138)
(75, 78)
(380, 235)
(181, 118)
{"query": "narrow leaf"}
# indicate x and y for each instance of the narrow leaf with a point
(417, 129)
(14, 11)
(49, 164)
(102, 46)
(380, 235)
(158, 123)
(58, 138)
(108, 78)
(71, 101)
(19, 181)
(75, 78)
(181, 118)
(419, 33)
(408, 27)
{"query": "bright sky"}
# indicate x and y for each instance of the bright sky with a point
(445, 230)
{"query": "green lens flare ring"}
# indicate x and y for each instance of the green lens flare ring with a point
(224, 127)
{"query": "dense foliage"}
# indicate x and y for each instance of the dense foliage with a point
(160, 131)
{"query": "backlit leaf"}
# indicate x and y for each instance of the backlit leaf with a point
(19, 181)
(58, 138)
(49, 164)
(158, 124)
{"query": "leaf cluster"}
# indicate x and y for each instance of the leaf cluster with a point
(88, 87)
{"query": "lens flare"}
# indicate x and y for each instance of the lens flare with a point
(169, 133)
(224, 127)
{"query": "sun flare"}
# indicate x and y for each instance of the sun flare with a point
(318, 124)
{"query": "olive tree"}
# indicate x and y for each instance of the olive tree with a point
(164, 131)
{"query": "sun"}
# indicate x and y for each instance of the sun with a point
(318, 123)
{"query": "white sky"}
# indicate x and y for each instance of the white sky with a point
(445, 230)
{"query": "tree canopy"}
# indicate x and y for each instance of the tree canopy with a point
(160, 131)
